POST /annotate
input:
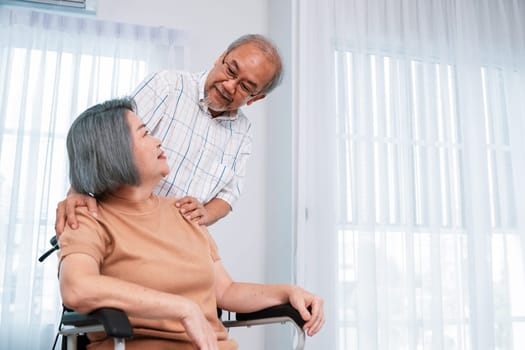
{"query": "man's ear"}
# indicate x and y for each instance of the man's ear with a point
(255, 98)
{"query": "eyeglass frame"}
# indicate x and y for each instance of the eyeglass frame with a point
(230, 75)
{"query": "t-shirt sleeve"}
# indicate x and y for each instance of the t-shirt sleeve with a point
(87, 239)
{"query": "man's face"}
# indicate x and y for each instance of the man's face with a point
(237, 78)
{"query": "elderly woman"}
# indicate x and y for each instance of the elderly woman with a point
(140, 255)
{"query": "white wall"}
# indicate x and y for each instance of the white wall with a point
(243, 236)
(279, 207)
(211, 24)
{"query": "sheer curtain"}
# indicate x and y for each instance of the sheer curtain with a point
(52, 67)
(410, 159)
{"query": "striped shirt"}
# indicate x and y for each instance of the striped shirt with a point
(207, 156)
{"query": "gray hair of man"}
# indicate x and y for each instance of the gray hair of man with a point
(269, 49)
(99, 148)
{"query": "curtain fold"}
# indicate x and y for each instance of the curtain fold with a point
(411, 168)
(314, 150)
(52, 67)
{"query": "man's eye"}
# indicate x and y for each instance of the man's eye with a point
(230, 72)
(246, 88)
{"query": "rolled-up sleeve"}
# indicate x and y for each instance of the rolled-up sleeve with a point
(233, 189)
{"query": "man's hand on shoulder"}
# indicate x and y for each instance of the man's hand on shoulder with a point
(206, 214)
(192, 210)
(65, 213)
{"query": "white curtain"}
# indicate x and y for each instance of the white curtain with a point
(52, 67)
(410, 158)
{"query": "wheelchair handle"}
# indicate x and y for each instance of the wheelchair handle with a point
(54, 243)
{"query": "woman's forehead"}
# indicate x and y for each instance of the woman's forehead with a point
(133, 120)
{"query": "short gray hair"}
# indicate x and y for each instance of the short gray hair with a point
(99, 148)
(269, 49)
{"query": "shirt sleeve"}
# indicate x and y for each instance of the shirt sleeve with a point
(151, 97)
(88, 238)
(232, 190)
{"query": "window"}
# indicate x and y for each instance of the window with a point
(77, 6)
(406, 253)
(52, 67)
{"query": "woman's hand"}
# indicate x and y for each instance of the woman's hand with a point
(199, 329)
(302, 300)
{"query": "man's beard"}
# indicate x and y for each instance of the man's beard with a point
(224, 95)
(209, 105)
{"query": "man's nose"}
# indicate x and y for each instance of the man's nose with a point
(230, 85)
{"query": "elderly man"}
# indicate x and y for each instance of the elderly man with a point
(207, 138)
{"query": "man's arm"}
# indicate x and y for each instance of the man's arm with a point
(217, 209)
(222, 203)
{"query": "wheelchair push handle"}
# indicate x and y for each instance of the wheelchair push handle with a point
(54, 243)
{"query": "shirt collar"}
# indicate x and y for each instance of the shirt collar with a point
(233, 115)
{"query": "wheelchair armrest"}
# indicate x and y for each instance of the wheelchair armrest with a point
(115, 322)
(274, 314)
(284, 310)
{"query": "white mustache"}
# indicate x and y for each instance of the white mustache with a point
(224, 93)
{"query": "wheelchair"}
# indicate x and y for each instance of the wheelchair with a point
(74, 327)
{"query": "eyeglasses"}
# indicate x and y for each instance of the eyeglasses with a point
(231, 72)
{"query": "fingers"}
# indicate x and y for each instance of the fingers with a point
(78, 200)
(200, 331)
(199, 216)
(192, 209)
(186, 201)
(92, 205)
(70, 215)
(303, 311)
(195, 215)
(317, 320)
(203, 220)
(188, 204)
(60, 219)
(302, 300)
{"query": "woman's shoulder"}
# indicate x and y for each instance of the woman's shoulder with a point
(163, 200)
(168, 203)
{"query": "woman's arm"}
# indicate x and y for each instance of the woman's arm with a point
(249, 297)
(83, 289)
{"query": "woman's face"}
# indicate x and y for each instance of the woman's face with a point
(149, 157)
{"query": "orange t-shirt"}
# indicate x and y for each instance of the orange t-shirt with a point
(151, 244)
